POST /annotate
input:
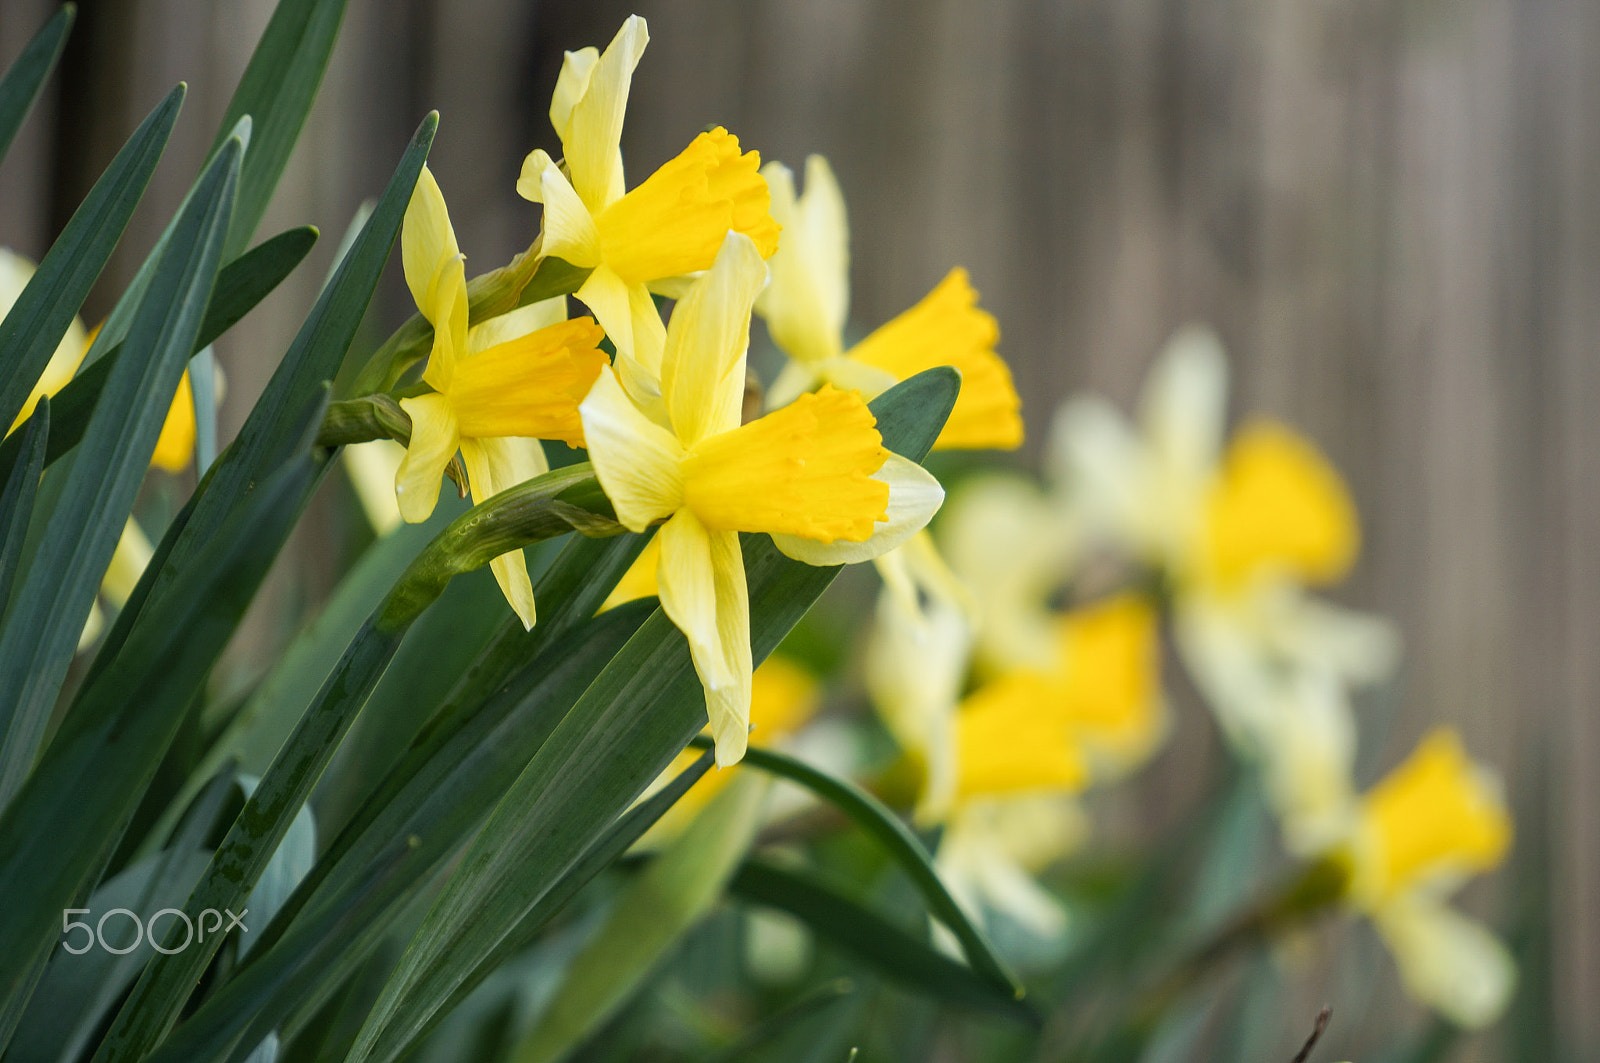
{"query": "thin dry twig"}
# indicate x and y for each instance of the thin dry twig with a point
(1316, 1033)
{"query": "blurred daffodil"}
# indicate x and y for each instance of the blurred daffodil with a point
(1240, 528)
(671, 224)
(1436, 820)
(807, 302)
(497, 389)
(814, 475)
(15, 272)
(1012, 546)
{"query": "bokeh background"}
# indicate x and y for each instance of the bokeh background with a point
(1389, 210)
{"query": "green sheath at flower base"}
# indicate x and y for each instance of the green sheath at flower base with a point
(563, 500)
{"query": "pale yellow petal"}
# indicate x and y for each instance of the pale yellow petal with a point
(427, 240)
(806, 299)
(447, 311)
(493, 465)
(793, 380)
(128, 562)
(636, 460)
(372, 467)
(649, 340)
(702, 366)
(434, 441)
(576, 69)
(702, 588)
(568, 231)
(15, 272)
(594, 130)
(850, 374)
(914, 497)
(1449, 962)
(1183, 406)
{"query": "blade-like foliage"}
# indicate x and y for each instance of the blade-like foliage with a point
(876, 819)
(241, 284)
(20, 88)
(270, 435)
(639, 713)
(41, 629)
(276, 91)
(57, 833)
(16, 497)
(873, 940)
(33, 328)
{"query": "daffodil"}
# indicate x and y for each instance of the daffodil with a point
(671, 224)
(1435, 821)
(1013, 546)
(497, 388)
(15, 272)
(1241, 528)
(808, 299)
(814, 475)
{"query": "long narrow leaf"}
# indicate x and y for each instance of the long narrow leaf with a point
(33, 328)
(663, 903)
(873, 940)
(639, 713)
(298, 963)
(16, 498)
(241, 284)
(266, 817)
(20, 88)
(270, 435)
(58, 832)
(874, 817)
(276, 91)
(41, 629)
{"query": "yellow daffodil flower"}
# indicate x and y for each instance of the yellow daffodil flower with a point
(814, 475)
(174, 446)
(671, 224)
(128, 562)
(498, 388)
(807, 302)
(1240, 528)
(1435, 821)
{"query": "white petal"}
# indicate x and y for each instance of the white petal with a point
(1448, 961)
(636, 460)
(805, 301)
(914, 497)
(1101, 467)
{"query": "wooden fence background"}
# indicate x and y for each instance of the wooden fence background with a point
(1390, 209)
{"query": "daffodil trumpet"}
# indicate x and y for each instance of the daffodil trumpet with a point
(814, 475)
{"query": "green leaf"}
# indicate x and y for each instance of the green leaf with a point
(873, 940)
(762, 1037)
(20, 88)
(412, 827)
(874, 817)
(241, 284)
(637, 715)
(658, 907)
(33, 328)
(41, 630)
(16, 498)
(276, 91)
(270, 435)
(63, 824)
(290, 863)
